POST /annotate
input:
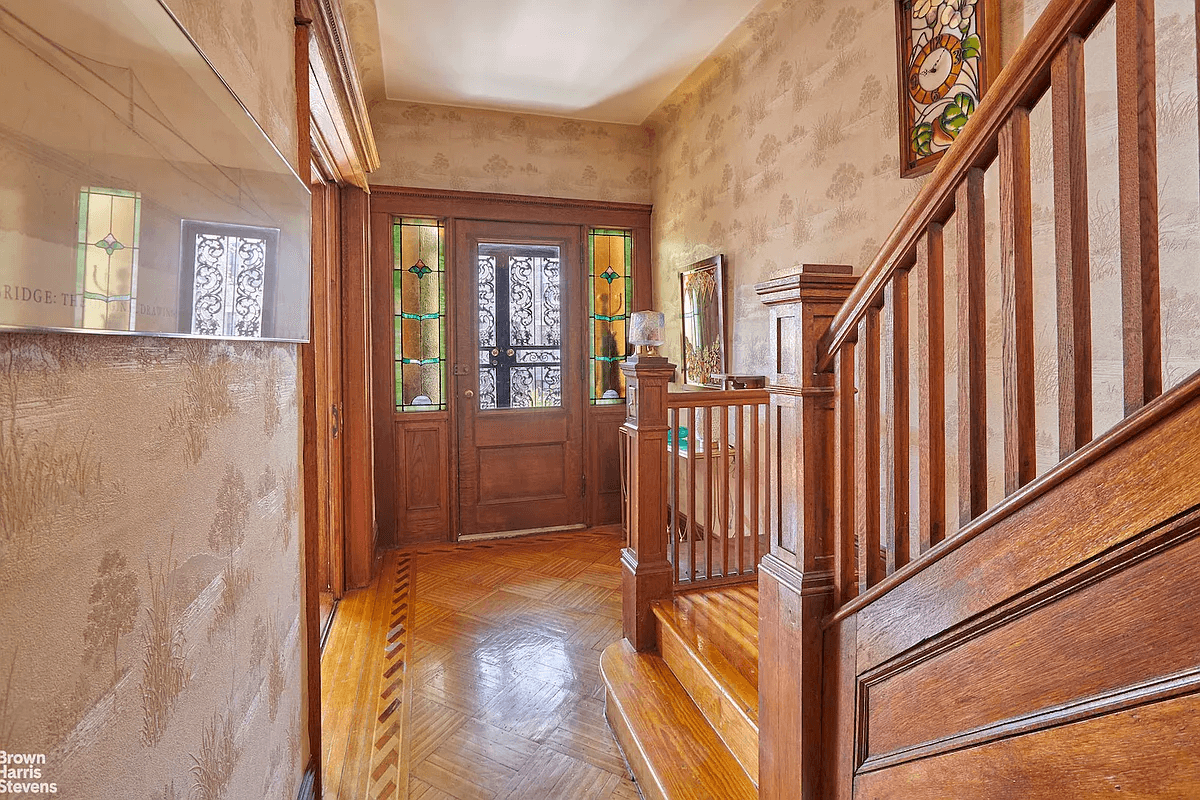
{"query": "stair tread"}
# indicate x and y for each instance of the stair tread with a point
(731, 679)
(684, 756)
(724, 620)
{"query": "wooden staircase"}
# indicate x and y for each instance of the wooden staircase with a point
(686, 717)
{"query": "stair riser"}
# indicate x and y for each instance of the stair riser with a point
(634, 756)
(736, 729)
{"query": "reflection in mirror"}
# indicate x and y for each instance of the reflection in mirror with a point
(702, 294)
(136, 193)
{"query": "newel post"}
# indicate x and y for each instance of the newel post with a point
(645, 572)
(796, 576)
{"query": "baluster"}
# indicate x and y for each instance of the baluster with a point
(1137, 161)
(740, 507)
(708, 493)
(766, 470)
(931, 382)
(674, 470)
(754, 488)
(1016, 281)
(844, 567)
(894, 480)
(725, 464)
(866, 453)
(1071, 249)
(972, 352)
(691, 482)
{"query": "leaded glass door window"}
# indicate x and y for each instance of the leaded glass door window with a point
(520, 326)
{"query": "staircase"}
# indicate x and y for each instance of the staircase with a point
(686, 717)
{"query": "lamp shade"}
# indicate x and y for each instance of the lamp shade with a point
(647, 328)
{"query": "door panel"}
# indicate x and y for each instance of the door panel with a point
(518, 381)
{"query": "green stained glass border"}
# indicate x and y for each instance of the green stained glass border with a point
(598, 361)
(419, 316)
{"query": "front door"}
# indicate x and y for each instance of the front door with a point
(519, 379)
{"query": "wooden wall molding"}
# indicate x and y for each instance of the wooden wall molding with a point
(344, 144)
(508, 207)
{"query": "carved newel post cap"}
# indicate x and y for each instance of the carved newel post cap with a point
(640, 362)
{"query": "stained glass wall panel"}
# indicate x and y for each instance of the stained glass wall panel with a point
(610, 283)
(419, 301)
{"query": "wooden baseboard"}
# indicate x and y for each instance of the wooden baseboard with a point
(309, 786)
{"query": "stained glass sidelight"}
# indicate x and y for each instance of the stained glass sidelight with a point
(107, 259)
(610, 282)
(419, 301)
(520, 326)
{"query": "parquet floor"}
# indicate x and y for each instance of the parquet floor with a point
(471, 672)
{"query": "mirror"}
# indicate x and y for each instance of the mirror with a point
(702, 294)
(137, 195)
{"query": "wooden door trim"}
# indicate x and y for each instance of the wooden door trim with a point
(486, 206)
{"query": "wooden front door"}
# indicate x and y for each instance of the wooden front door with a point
(518, 377)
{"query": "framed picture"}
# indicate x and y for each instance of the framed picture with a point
(947, 57)
(702, 295)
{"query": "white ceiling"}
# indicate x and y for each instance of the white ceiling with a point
(605, 60)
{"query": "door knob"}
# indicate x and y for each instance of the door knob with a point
(469, 393)
(510, 352)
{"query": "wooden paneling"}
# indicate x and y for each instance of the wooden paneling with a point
(422, 493)
(1036, 662)
(1146, 752)
(604, 464)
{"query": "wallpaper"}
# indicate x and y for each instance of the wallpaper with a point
(150, 633)
(445, 147)
(781, 149)
(251, 44)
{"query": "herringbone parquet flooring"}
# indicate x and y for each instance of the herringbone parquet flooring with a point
(471, 672)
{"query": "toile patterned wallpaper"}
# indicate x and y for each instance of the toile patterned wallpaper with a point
(156, 555)
(444, 147)
(781, 149)
(150, 639)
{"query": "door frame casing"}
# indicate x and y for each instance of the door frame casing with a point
(452, 206)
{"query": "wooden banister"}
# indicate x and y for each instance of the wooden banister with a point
(972, 351)
(1016, 288)
(1137, 164)
(931, 389)
(1021, 83)
(1071, 249)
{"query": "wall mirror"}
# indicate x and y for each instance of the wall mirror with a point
(702, 289)
(137, 195)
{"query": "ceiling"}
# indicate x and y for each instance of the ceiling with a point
(604, 60)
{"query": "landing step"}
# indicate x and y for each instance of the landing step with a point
(722, 692)
(673, 751)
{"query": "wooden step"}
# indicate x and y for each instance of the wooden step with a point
(724, 621)
(722, 692)
(672, 750)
